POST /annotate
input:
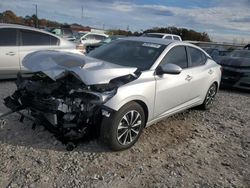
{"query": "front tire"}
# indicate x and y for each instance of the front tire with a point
(210, 96)
(123, 128)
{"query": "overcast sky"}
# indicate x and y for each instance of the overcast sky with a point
(223, 20)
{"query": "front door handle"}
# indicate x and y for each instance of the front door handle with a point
(11, 53)
(189, 78)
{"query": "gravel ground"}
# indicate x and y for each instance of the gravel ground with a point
(192, 149)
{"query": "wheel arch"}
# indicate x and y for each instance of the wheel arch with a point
(145, 109)
(217, 84)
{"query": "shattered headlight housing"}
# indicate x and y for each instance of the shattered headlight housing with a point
(103, 91)
(105, 96)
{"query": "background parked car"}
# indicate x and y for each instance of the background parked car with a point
(236, 69)
(90, 47)
(17, 41)
(163, 36)
(92, 38)
(79, 34)
(247, 47)
(216, 53)
(64, 32)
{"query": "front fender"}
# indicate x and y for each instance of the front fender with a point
(143, 91)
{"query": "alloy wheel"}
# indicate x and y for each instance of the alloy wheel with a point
(210, 95)
(129, 127)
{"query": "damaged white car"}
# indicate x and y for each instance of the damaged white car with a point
(117, 89)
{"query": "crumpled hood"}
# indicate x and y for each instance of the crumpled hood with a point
(90, 71)
(235, 62)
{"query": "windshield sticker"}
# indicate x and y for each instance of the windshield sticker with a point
(151, 45)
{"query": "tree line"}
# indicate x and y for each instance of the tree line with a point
(10, 17)
(186, 34)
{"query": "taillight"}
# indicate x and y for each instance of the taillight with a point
(221, 69)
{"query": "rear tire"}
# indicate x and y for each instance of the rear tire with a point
(210, 96)
(123, 128)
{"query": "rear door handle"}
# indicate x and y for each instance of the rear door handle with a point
(189, 78)
(11, 53)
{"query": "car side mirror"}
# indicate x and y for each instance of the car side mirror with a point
(168, 69)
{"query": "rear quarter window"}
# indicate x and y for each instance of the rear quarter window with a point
(176, 38)
(168, 37)
(197, 57)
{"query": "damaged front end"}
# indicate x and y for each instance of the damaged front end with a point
(66, 106)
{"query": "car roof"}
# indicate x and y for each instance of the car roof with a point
(163, 42)
(150, 40)
(164, 34)
(156, 33)
(16, 26)
(93, 33)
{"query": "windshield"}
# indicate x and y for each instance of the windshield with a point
(141, 55)
(243, 54)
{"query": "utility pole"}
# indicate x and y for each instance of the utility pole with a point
(82, 13)
(36, 25)
(128, 28)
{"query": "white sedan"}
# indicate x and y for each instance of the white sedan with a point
(17, 41)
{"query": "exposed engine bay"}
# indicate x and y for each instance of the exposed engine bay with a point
(66, 106)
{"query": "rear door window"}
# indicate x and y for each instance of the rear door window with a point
(34, 38)
(197, 57)
(178, 56)
(99, 37)
(90, 37)
(8, 37)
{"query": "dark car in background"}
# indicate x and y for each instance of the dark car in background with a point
(216, 53)
(247, 47)
(236, 70)
(91, 47)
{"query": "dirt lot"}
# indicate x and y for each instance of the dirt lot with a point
(191, 149)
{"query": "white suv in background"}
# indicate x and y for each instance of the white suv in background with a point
(17, 41)
(163, 36)
(92, 38)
